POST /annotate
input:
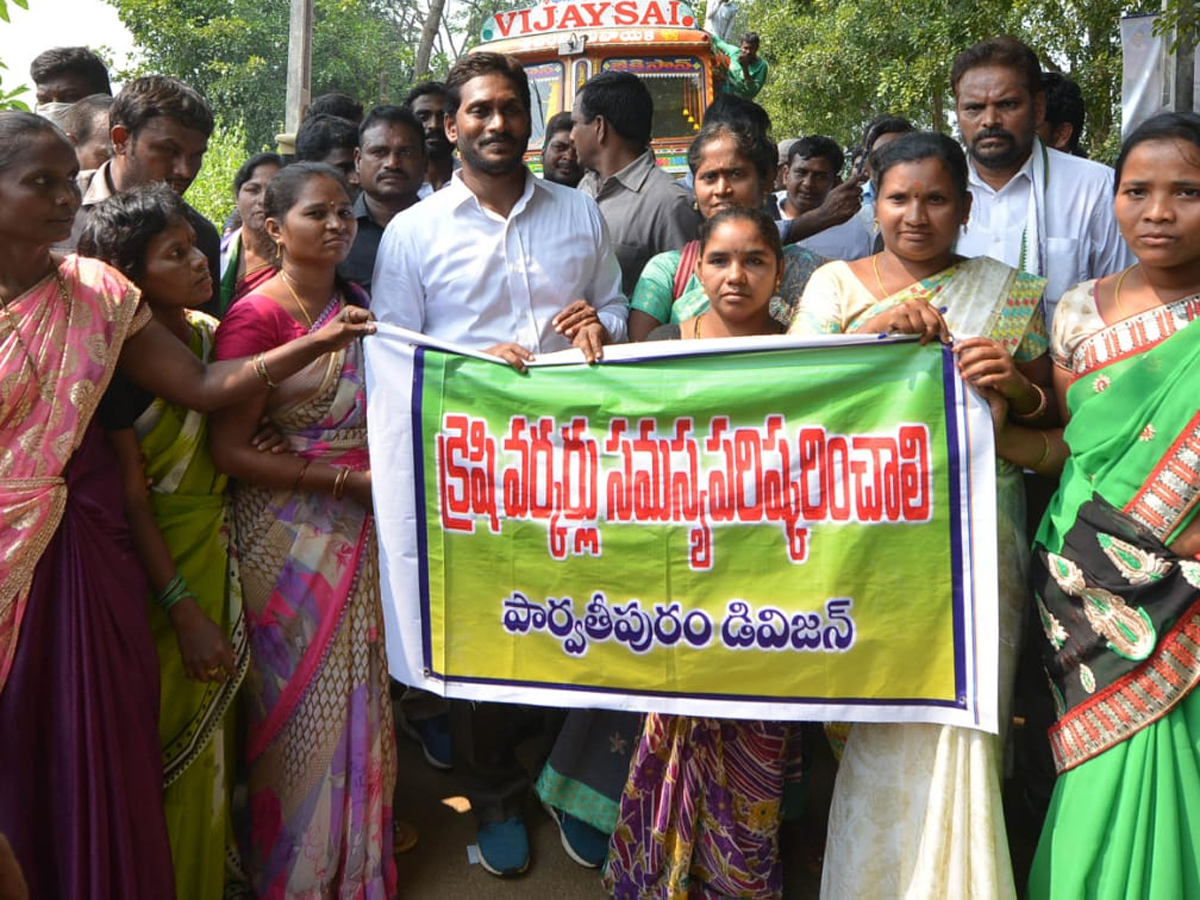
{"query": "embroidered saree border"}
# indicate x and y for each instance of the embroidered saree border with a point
(1138, 699)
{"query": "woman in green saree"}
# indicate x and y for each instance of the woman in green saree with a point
(1115, 566)
(916, 809)
(180, 527)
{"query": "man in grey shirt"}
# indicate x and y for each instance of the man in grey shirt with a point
(647, 211)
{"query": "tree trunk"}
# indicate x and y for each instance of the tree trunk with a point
(432, 22)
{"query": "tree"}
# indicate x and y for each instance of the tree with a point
(8, 95)
(838, 63)
(235, 51)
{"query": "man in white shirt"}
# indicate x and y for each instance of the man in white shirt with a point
(513, 265)
(1036, 209)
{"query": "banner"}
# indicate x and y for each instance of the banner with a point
(770, 528)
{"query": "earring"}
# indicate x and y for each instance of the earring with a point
(279, 248)
(875, 228)
(964, 227)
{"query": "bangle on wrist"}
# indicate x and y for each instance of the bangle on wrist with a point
(177, 589)
(1037, 411)
(1045, 453)
(339, 483)
(260, 366)
(300, 476)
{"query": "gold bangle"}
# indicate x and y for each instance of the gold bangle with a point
(260, 366)
(339, 483)
(300, 477)
(1037, 410)
(1045, 453)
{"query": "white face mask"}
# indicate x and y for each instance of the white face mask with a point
(52, 111)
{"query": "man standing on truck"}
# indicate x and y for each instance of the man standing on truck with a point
(747, 71)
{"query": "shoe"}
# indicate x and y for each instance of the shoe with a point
(586, 845)
(404, 837)
(503, 847)
(433, 734)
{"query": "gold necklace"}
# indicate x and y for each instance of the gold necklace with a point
(878, 280)
(291, 290)
(696, 326)
(1117, 291)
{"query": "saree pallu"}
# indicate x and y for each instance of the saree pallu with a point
(320, 742)
(1121, 615)
(187, 496)
(917, 809)
(81, 790)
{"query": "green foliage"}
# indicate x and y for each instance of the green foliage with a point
(8, 98)
(212, 191)
(836, 64)
(24, 4)
(235, 51)
(1179, 21)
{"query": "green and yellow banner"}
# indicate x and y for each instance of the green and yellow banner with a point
(769, 528)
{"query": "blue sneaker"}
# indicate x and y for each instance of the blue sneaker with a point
(586, 845)
(503, 847)
(433, 734)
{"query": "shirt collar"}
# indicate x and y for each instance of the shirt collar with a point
(461, 194)
(634, 175)
(1026, 171)
(100, 187)
(360, 207)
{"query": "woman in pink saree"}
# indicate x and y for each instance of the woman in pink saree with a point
(81, 789)
(320, 746)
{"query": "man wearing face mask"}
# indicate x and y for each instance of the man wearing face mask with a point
(64, 75)
(1037, 209)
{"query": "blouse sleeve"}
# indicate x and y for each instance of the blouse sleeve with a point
(820, 309)
(654, 292)
(254, 324)
(1075, 319)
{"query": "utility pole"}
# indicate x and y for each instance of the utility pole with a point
(299, 72)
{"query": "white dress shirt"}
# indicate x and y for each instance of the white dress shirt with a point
(449, 268)
(1070, 234)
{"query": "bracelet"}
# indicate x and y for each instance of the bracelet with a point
(339, 483)
(1046, 453)
(1038, 410)
(176, 590)
(260, 366)
(300, 477)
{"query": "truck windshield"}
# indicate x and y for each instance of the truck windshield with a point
(675, 84)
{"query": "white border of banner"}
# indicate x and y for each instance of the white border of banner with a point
(395, 515)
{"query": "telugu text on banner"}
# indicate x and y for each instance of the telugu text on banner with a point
(770, 528)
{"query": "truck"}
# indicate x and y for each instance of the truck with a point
(563, 44)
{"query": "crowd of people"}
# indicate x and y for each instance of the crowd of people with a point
(194, 694)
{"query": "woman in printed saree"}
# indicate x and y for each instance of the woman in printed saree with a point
(917, 808)
(731, 166)
(81, 795)
(320, 744)
(701, 811)
(1115, 570)
(181, 531)
(582, 781)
